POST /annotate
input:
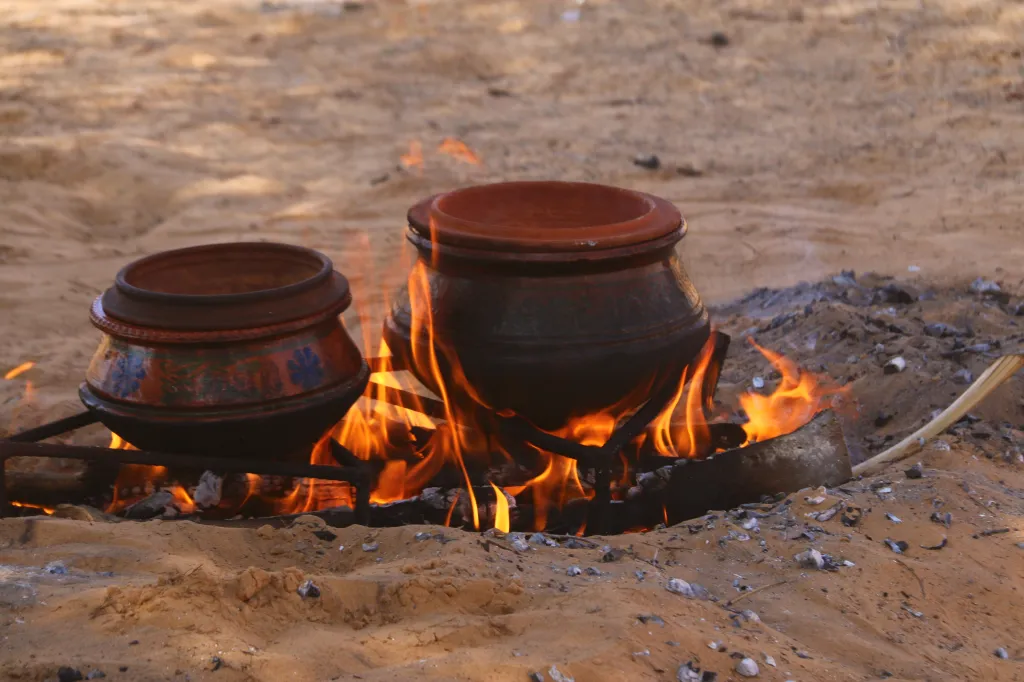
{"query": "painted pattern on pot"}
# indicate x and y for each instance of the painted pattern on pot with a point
(187, 376)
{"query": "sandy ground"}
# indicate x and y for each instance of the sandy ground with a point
(837, 135)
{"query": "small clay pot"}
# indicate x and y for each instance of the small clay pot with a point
(227, 350)
(557, 299)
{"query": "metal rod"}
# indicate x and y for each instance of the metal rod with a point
(55, 428)
(362, 482)
(229, 465)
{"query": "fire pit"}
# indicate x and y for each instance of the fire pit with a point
(571, 359)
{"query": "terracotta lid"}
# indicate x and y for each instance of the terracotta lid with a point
(544, 216)
(226, 286)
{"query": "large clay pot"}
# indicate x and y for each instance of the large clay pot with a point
(557, 299)
(226, 349)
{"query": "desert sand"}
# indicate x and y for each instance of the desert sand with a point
(805, 139)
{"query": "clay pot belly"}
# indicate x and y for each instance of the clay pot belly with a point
(258, 365)
(566, 328)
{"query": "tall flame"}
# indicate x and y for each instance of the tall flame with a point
(457, 149)
(501, 516)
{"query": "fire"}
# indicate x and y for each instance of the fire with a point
(799, 396)
(19, 370)
(26, 505)
(457, 149)
(414, 157)
(501, 519)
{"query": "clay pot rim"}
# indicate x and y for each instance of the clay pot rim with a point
(320, 295)
(325, 268)
(645, 218)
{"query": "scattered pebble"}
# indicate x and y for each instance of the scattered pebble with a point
(646, 618)
(758, 382)
(714, 646)
(768, 660)
(945, 541)
(898, 546)
(814, 501)
(308, 590)
(1001, 653)
(217, 663)
(985, 286)
(95, 675)
(944, 519)
(542, 539)
(68, 674)
(750, 616)
(591, 570)
(912, 612)
(748, 668)
(648, 161)
(325, 535)
(940, 330)
(371, 546)
(916, 471)
(893, 517)
(719, 39)
(56, 568)
(520, 544)
(963, 377)
(573, 571)
(422, 536)
(536, 677)
(895, 366)
(687, 673)
(812, 558)
(677, 586)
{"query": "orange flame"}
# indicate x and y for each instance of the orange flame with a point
(799, 396)
(414, 157)
(457, 149)
(501, 516)
(26, 505)
(19, 370)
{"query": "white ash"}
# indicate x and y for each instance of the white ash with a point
(558, 676)
(209, 490)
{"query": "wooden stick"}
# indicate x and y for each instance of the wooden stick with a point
(997, 374)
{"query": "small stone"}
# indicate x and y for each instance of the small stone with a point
(68, 674)
(648, 161)
(747, 668)
(308, 590)
(812, 558)
(325, 535)
(542, 539)
(265, 531)
(768, 660)
(1001, 653)
(893, 518)
(422, 536)
(985, 286)
(750, 616)
(591, 570)
(646, 618)
(217, 663)
(573, 571)
(940, 330)
(719, 39)
(714, 646)
(963, 377)
(56, 568)
(557, 676)
(916, 471)
(536, 677)
(897, 546)
(208, 492)
(894, 366)
(520, 544)
(677, 586)
(95, 675)
(757, 382)
(814, 501)
(687, 673)
(371, 546)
